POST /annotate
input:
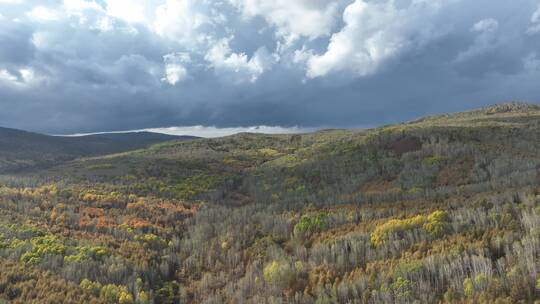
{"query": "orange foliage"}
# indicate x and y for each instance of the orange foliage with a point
(138, 205)
(93, 212)
(179, 208)
(138, 223)
(95, 217)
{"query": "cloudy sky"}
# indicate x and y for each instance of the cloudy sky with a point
(79, 66)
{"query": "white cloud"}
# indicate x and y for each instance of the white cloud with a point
(489, 25)
(213, 132)
(12, 1)
(374, 32)
(81, 5)
(128, 10)
(175, 71)
(40, 40)
(104, 18)
(28, 75)
(24, 78)
(179, 20)
(89, 14)
(224, 60)
(6, 76)
(105, 24)
(294, 18)
(534, 28)
(486, 39)
(43, 13)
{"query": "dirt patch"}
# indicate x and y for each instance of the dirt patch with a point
(455, 173)
(404, 145)
(377, 185)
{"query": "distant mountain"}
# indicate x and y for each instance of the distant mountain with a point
(107, 143)
(22, 150)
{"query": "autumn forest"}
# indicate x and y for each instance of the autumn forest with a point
(443, 209)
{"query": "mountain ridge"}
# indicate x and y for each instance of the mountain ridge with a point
(21, 149)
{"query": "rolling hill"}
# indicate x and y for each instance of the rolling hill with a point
(23, 150)
(443, 209)
(348, 160)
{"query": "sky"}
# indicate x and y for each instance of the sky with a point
(83, 66)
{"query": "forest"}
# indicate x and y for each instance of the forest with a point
(443, 209)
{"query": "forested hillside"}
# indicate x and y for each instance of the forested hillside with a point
(443, 209)
(20, 150)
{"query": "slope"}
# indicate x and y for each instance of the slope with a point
(444, 209)
(23, 150)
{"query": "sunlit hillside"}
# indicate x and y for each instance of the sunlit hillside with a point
(443, 209)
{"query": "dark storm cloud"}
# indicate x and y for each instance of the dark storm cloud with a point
(15, 39)
(79, 66)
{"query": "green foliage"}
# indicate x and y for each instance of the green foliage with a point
(468, 287)
(436, 223)
(126, 228)
(93, 287)
(47, 245)
(311, 224)
(151, 240)
(42, 246)
(415, 189)
(13, 243)
(480, 281)
(31, 258)
(22, 231)
(125, 298)
(381, 233)
(84, 253)
(195, 185)
(279, 273)
(115, 294)
(168, 293)
(405, 269)
(110, 293)
(401, 287)
(267, 152)
(143, 298)
(101, 167)
(299, 190)
(435, 160)
(287, 161)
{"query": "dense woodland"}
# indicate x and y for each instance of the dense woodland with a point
(443, 209)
